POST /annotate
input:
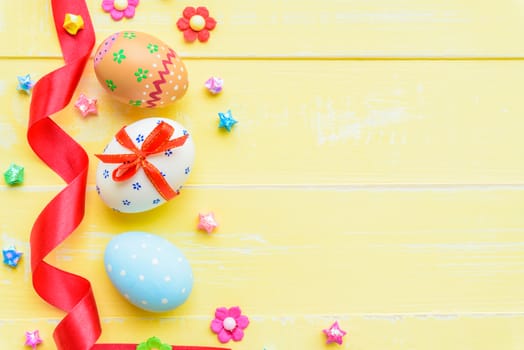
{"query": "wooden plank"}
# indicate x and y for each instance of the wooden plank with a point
(315, 122)
(301, 252)
(293, 28)
(279, 332)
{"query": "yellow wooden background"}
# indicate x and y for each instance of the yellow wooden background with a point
(375, 177)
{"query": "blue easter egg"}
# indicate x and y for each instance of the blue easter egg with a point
(148, 270)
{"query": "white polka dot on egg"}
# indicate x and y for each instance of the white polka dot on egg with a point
(160, 264)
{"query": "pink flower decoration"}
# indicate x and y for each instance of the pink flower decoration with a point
(196, 23)
(229, 324)
(120, 8)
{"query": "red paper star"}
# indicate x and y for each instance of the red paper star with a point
(86, 105)
(334, 334)
(207, 222)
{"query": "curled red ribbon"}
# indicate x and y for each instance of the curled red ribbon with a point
(157, 141)
(80, 328)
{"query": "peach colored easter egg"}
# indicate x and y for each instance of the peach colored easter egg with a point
(140, 70)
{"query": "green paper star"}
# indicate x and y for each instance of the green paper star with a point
(153, 343)
(14, 175)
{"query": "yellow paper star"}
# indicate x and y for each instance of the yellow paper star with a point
(73, 23)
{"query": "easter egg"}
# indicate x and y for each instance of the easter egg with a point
(144, 165)
(148, 270)
(140, 70)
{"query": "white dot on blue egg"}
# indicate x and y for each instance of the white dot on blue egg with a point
(116, 246)
(143, 260)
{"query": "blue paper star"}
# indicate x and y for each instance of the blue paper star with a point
(11, 256)
(25, 84)
(226, 120)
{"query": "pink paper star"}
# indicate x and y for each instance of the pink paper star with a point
(207, 222)
(32, 339)
(334, 334)
(86, 105)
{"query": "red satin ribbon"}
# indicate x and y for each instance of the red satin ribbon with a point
(157, 141)
(80, 328)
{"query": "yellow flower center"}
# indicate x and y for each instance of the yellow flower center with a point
(197, 23)
(120, 5)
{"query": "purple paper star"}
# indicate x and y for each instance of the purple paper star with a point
(32, 339)
(334, 334)
(207, 222)
(11, 256)
(86, 105)
(214, 85)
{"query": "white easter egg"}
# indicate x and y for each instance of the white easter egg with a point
(139, 192)
(148, 270)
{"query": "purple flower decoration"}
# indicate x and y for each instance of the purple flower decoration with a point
(120, 8)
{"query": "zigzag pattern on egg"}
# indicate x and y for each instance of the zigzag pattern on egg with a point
(140, 70)
(158, 90)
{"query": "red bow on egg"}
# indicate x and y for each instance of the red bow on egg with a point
(157, 141)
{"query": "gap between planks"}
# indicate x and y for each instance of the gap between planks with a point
(312, 57)
(263, 317)
(312, 187)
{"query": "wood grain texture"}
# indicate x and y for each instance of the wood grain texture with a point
(318, 122)
(383, 193)
(298, 28)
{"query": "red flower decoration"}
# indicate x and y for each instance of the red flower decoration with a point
(196, 23)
